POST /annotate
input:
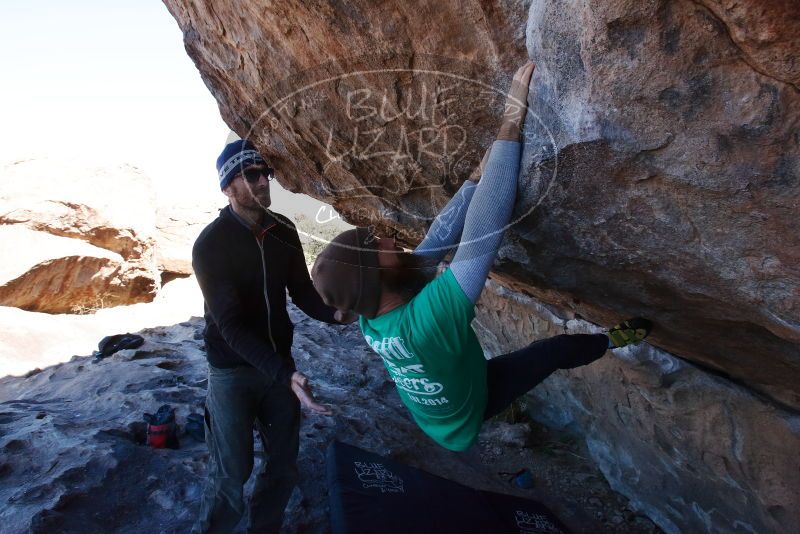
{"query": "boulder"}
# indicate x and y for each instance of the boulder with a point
(659, 178)
(83, 237)
(177, 227)
(677, 185)
(661, 153)
(63, 275)
(379, 111)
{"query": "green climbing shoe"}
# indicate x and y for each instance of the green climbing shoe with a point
(630, 331)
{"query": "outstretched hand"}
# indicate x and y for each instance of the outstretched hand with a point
(516, 104)
(302, 389)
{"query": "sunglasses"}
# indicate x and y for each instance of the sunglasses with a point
(252, 175)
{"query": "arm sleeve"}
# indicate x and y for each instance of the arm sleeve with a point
(446, 228)
(301, 290)
(487, 218)
(224, 305)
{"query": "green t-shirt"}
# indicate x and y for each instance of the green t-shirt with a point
(435, 360)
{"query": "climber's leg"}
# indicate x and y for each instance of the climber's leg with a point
(512, 375)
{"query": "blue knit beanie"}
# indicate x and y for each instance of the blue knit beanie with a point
(235, 157)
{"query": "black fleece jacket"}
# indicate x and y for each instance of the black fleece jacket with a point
(244, 274)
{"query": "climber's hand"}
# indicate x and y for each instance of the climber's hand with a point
(516, 104)
(478, 172)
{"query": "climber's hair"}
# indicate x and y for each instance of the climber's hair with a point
(408, 279)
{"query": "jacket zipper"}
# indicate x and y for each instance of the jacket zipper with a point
(260, 241)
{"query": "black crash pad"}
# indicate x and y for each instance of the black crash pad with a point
(372, 494)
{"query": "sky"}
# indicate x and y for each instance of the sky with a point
(106, 83)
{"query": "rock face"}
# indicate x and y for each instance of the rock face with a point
(678, 177)
(660, 178)
(695, 452)
(661, 151)
(82, 239)
(370, 108)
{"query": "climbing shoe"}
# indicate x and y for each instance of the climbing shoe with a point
(630, 331)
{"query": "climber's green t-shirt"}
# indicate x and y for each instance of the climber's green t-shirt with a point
(435, 360)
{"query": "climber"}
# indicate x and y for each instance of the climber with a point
(420, 323)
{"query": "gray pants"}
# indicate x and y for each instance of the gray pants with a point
(237, 399)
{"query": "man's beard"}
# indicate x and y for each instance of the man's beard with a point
(252, 199)
(408, 279)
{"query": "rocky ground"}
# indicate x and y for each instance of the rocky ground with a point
(72, 457)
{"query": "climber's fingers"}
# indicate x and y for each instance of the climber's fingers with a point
(517, 103)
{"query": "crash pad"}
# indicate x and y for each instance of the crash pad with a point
(370, 493)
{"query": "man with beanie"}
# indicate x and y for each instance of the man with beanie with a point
(245, 260)
(419, 323)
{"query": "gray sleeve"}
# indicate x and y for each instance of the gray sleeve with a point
(446, 228)
(487, 218)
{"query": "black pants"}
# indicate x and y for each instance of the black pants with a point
(512, 375)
